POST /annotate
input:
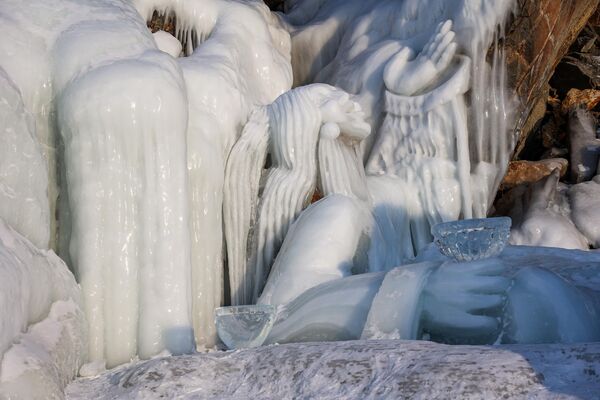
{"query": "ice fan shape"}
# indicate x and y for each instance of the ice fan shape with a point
(137, 145)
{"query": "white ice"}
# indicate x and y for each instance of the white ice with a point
(43, 337)
(23, 173)
(140, 157)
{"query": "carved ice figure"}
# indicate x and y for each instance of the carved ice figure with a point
(479, 302)
(351, 46)
(311, 134)
(419, 162)
(422, 145)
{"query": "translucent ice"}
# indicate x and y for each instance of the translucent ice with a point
(472, 239)
(244, 326)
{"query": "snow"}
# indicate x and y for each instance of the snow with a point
(375, 369)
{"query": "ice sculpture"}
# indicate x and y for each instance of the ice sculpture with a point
(292, 128)
(377, 51)
(472, 239)
(244, 326)
(136, 141)
(495, 300)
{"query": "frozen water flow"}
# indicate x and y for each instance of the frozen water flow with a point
(244, 326)
(472, 239)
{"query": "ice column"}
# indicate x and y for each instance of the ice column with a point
(123, 127)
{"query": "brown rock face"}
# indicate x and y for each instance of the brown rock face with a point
(587, 98)
(520, 172)
(537, 39)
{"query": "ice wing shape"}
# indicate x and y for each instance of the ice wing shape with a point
(242, 180)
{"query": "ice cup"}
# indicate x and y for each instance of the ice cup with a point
(472, 239)
(244, 326)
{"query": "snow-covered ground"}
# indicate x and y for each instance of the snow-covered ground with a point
(387, 369)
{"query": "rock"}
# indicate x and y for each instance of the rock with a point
(537, 39)
(378, 369)
(275, 5)
(520, 172)
(576, 98)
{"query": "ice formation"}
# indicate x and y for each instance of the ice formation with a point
(498, 300)
(42, 325)
(584, 147)
(541, 216)
(140, 208)
(292, 128)
(23, 175)
(584, 209)
(391, 57)
(145, 173)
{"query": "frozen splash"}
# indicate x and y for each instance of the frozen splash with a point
(137, 142)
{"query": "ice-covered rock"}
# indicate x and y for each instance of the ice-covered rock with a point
(43, 337)
(584, 147)
(585, 209)
(541, 215)
(382, 369)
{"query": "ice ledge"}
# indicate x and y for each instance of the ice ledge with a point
(359, 369)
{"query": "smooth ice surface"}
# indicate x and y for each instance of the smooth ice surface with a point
(472, 239)
(307, 259)
(167, 43)
(43, 338)
(244, 326)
